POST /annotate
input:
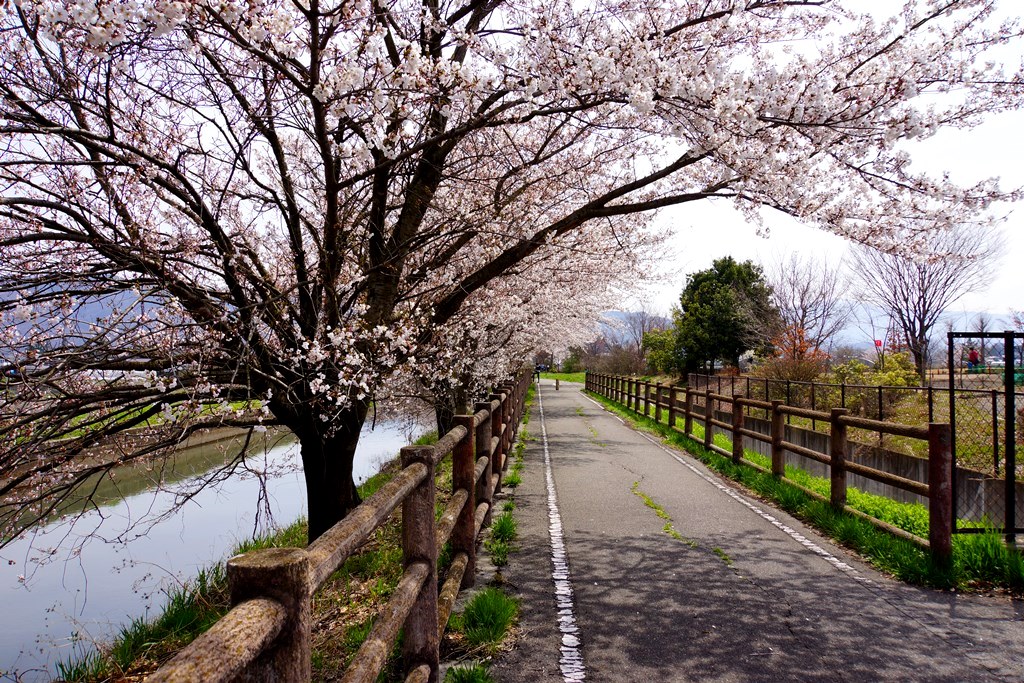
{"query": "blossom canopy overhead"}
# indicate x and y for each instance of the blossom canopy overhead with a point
(285, 202)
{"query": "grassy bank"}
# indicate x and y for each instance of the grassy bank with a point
(365, 580)
(980, 561)
(343, 609)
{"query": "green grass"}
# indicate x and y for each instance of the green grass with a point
(477, 673)
(195, 606)
(504, 528)
(365, 579)
(487, 618)
(189, 611)
(498, 550)
(512, 479)
(660, 511)
(579, 377)
(980, 561)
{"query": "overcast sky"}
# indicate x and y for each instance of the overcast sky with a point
(705, 231)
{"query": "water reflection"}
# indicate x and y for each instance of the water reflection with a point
(70, 585)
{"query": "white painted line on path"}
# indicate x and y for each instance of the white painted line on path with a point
(732, 493)
(570, 662)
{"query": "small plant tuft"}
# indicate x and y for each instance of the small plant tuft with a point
(499, 551)
(504, 528)
(478, 673)
(487, 618)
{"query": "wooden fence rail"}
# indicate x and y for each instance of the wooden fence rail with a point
(266, 635)
(702, 406)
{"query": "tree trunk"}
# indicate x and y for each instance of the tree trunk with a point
(919, 351)
(327, 461)
(447, 406)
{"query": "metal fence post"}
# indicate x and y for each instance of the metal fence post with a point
(419, 533)
(737, 425)
(1010, 425)
(837, 458)
(995, 432)
(940, 493)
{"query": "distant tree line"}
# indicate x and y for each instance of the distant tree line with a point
(785, 319)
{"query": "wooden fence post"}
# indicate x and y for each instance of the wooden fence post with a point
(647, 398)
(463, 467)
(688, 412)
(737, 425)
(778, 434)
(708, 412)
(507, 432)
(630, 389)
(283, 575)
(498, 457)
(672, 406)
(837, 458)
(940, 493)
(484, 493)
(419, 545)
(657, 402)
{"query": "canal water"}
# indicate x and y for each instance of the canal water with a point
(74, 582)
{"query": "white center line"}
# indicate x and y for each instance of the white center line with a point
(570, 662)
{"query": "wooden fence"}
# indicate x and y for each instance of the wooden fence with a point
(646, 398)
(266, 635)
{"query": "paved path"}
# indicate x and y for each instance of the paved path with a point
(744, 593)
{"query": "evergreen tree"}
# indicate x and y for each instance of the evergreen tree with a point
(726, 311)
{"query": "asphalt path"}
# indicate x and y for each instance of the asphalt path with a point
(732, 590)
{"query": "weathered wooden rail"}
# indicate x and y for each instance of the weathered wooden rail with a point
(266, 635)
(641, 396)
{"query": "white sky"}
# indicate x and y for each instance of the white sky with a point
(704, 231)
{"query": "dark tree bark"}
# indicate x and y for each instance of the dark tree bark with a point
(327, 463)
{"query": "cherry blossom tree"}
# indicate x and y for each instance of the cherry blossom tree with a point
(553, 302)
(226, 212)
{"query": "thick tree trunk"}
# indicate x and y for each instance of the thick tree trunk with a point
(327, 461)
